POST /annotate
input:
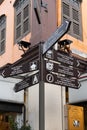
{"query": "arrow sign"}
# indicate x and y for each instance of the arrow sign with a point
(69, 60)
(81, 64)
(61, 68)
(62, 80)
(56, 36)
(28, 66)
(27, 82)
(71, 82)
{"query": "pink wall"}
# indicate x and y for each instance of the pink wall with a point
(39, 32)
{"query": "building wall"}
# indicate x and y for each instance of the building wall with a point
(54, 107)
(79, 95)
(39, 32)
(7, 91)
(33, 107)
(77, 46)
(54, 95)
(54, 101)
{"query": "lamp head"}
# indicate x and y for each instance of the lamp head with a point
(65, 42)
(65, 45)
(24, 44)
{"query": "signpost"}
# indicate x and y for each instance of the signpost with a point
(59, 67)
(28, 66)
(65, 58)
(59, 79)
(62, 68)
(27, 82)
(68, 59)
(56, 36)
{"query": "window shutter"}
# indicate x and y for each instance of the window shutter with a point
(25, 26)
(18, 32)
(75, 14)
(2, 40)
(26, 19)
(71, 11)
(66, 12)
(18, 25)
(2, 34)
(2, 46)
(66, 9)
(76, 29)
(18, 19)
(26, 12)
(22, 18)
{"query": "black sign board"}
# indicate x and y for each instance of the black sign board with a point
(27, 82)
(70, 60)
(56, 36)
(28, 66)
(62, 80)
(61, 68)
(65, 58)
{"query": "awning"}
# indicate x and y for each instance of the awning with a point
(11, 107)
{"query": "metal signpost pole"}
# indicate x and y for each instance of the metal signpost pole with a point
(41, 90)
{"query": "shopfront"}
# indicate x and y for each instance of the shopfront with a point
(9, 110)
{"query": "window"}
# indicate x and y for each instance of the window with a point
(71, 10)
(22, 19)
(2, 33)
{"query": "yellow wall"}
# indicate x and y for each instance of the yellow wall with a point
(77, 44)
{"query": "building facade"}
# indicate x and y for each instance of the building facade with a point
(34, 21)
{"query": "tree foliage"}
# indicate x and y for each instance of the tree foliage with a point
(14, 125)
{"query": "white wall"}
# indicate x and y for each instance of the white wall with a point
(6, 90)
(33, 105)
(79, 95)
(54, 106)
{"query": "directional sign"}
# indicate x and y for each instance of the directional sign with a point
(27, 82)
(56, 36)
(69, 60)
(61, 68)
(65, 58)
(28, 66)
(80, 64)
(62, 80)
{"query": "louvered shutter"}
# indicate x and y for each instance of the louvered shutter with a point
(22, 26)
(76, 22)
(3, 40)
(71, 11)
(2, 34)
(26, 19)
(18, 25)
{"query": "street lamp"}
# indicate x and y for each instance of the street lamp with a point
(64, 45)
(23, 45)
